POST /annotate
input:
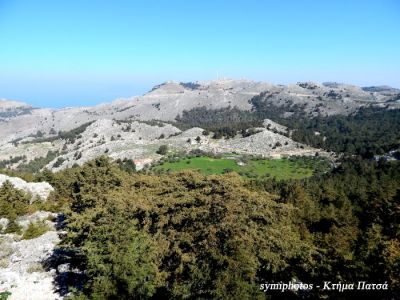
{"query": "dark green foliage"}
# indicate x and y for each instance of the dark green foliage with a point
(368, 132)
(352, 215)
(35, 230)
(38, 134)
(227, 122)
(190, 85)
(74, 133)
(127, 165)
(224, 122)
(70, 135)
(152, 123)
(121, 264)
(4, 295)
(265, 109)
(13, 202)
(35, 165)
(163, 149)
(91, 183)
(58, 162)
(190, 236)
(27, 176)
(249, 132)
(13, 227)
(180, 236)
(13, 160)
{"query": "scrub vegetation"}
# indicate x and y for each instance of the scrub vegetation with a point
(189, 235)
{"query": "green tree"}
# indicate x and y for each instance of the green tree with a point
(13, 202)
(162, 150)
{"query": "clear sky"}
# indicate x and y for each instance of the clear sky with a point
(81, 52)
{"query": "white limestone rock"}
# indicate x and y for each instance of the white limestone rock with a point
(21, 265)
(36, 189)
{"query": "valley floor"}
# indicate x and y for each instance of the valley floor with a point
(280, 169)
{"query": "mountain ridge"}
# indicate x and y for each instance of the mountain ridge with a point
(135, 127)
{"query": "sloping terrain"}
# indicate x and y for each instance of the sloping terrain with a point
(166, 101)
(125, 128)
(28, 238)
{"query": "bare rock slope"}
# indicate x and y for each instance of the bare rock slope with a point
(23, 269)
(164, 102)
(123, 128)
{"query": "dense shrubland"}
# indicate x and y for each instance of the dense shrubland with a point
(224, 122)
(368, 132)
(186, 235)
(35, 165)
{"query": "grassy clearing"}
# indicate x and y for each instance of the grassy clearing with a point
(280, 169)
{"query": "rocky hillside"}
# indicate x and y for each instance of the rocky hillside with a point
(28, 238)
(23, 272)
(125, 128)
(164, 102)
(10, 109)
(140, 142)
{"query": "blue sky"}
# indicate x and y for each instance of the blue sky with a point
(82, 52)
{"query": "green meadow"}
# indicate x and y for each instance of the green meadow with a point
(280, 169)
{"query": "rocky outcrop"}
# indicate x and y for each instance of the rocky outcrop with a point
(165, 101)
(23, 272)
(273, 126)
(123, 129)
(37, 216)
(39, 190)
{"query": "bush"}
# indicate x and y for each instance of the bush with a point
(4, 262)
(58, 162)
(13, 202)
(5, 295)
(13, 227)
(162, 150)
(127, 165)
(35, 230)
(36, 267)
